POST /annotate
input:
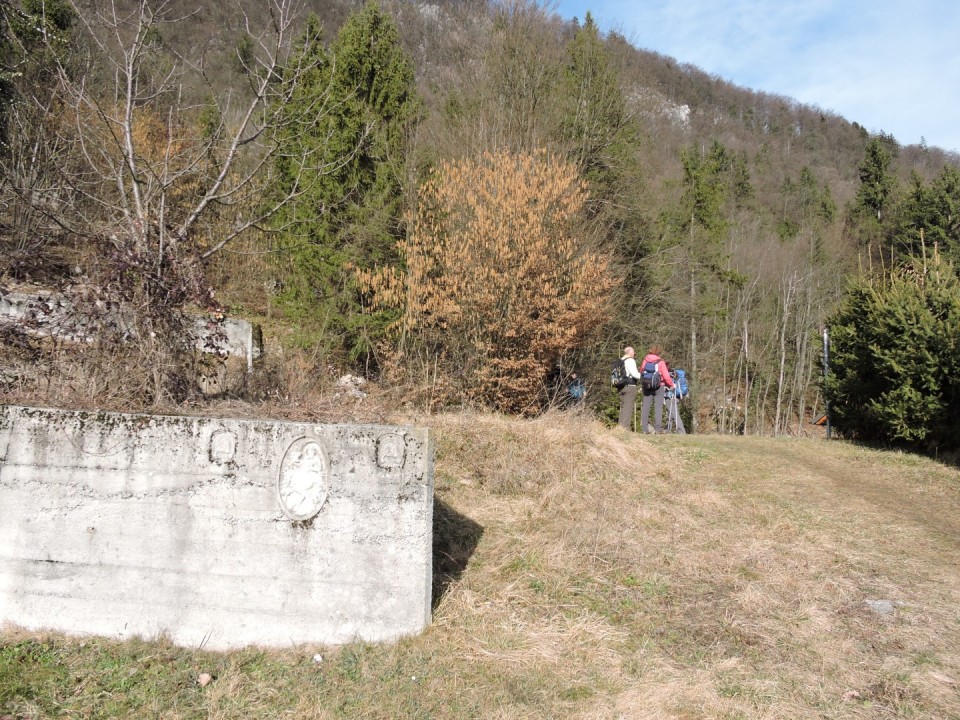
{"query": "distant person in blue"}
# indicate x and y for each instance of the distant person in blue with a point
(672, 399)
(576, 390)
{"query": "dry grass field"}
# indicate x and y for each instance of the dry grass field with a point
(583, 572)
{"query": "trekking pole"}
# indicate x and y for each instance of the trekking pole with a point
(671, 403)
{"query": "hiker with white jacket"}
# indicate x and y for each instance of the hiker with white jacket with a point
(628, 393)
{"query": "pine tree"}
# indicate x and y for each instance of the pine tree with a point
(362, 105)
(705, 189)
(807, 206)
(869, 213)
(931, 216)
(595, 119)
(876, 183)
(894, 358)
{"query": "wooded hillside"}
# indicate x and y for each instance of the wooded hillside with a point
(297, 164)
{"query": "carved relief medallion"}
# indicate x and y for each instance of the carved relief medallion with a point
(223, 446)
(391, 451)
(303, 481)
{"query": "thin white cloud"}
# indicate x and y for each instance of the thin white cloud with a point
(890, 65)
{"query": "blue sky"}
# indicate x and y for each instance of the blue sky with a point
(890, 65)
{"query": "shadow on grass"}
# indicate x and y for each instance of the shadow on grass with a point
(949, 457)
(455, 537)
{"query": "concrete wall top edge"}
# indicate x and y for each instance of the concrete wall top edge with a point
(97, 414)
(125, 454)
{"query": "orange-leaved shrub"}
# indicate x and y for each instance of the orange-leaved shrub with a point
(499, 277)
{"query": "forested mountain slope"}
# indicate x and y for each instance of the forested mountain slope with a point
(731, 218)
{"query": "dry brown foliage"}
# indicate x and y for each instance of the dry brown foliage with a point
(499, 278)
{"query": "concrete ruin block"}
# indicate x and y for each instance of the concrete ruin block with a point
(214, 532)
(45, 313)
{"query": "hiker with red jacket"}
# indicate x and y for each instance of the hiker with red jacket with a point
(654, 379)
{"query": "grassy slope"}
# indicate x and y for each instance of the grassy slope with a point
(587, 573)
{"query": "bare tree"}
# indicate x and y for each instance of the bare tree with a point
(30, 155)
(155, 167)
(155, 181)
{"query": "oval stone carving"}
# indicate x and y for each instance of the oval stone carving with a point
(303, 480)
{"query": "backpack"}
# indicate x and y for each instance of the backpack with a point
(618, 374)
(650, 377)
(682, 388)
(576, 389)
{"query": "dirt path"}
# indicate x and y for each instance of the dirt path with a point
(918, 492)
(886, 488)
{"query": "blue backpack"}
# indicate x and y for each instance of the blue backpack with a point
(576, 389)
(682, 390)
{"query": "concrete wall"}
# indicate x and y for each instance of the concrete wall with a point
(221, 533)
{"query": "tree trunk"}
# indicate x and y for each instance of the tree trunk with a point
(694, 377)
(787, 293)
(746, 376)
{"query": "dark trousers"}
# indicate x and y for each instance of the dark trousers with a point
(656, 398)
(628, 400)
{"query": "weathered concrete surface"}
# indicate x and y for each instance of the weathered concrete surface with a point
(221, 533)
